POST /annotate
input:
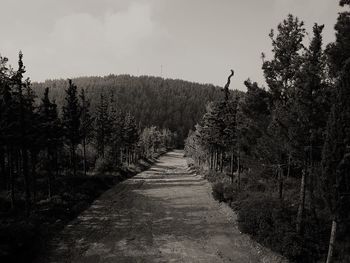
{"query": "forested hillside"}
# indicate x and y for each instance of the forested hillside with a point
(166, 103)
(56, 158)
(280, 156)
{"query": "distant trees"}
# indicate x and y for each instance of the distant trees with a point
(103, 126)
(167, 103)
(152, 141)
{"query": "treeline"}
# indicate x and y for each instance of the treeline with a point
(166, 103)
(41, 142)
(286, 149)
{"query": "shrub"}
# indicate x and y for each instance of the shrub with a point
(218, 191)
(103, 165)
(229, 192)
(223, 192)
(271, 223)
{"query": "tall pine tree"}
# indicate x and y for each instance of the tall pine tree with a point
(71, 123)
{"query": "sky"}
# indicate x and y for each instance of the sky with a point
(195, 40)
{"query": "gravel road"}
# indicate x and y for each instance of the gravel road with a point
(165, 214)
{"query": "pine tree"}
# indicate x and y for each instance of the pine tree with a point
(211, 132)
(280, 75)
(280, 71)
(102, 126)
(51, 134)
(71, 122)
(130, 136)
(7, 106)
(117, 123)
(23, 127)
(256, 110)
(339, 51)
(335, 155)
(308, 115)
(86, 126)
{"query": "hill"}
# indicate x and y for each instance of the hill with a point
(166, 103)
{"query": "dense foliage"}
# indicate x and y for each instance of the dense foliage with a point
(286, 148)
(45, 147)
(166, 103)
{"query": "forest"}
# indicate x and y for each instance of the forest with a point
(57, 157)
(280, 156)
(166, 103)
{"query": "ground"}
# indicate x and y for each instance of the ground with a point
(165, 214)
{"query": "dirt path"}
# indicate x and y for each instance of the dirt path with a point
(165, 214)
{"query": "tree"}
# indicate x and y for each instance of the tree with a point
(335, 154)
(130, 136)
(308, 116)
(280, 75)
(211, 131)
(339, 51)
(71, 122)
(51, 135)
(286, 46)
(256, 110)
(86, 126)
(7, 120)
(23, 130)
(102, 126)
(335, 157)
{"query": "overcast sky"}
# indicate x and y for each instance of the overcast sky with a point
(197, 40)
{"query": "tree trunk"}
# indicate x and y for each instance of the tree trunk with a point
(73, 160)
(33, 157)
(49, 174)
(332, 241)
(280, 182)
(301, 202)
(84, 155)
(221, 161)
(312, 194)
(12, 178)
(239, 171)
(56, 161)
(231, 166)
(26, 180)
(2, 168)
(288, 169)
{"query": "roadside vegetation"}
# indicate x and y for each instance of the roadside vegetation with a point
(55, 160)
(280, 156)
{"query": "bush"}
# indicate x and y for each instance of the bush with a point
(103, 165)
(229, 192)
(218, 191)
(271, 223)
(223, 192)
